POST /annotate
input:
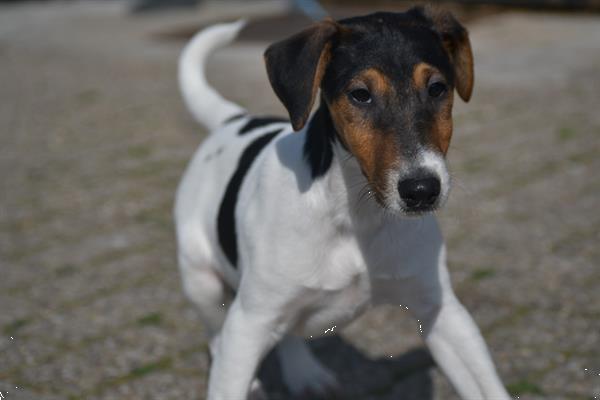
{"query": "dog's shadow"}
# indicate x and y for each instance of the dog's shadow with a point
(405, 377)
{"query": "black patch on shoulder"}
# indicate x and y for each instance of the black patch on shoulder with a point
(318, 147)
(226, 218)
(234, 117)
(257, 122)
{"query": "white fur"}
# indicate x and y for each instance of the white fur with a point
(433, 161)
(204, 103)
(312, 256)
(426, 160)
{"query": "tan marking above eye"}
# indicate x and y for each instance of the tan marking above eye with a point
(421, 74)
(441, 131)
(374, 80)
(376, 151)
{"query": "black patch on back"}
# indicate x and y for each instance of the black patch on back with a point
(258, 122)
(318, 147)
(226, 218)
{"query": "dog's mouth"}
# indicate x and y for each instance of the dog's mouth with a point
(419, 210)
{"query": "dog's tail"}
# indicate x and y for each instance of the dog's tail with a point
(205, 103)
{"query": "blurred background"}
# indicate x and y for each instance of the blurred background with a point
(94, 138)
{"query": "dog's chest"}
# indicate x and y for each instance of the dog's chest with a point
(339, 292)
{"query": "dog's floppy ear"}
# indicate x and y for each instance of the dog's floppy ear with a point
(456, 42)
(296, 65)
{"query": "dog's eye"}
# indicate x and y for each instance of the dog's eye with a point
(361, 95)
(436, 89)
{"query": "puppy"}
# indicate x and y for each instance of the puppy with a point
(311, 228)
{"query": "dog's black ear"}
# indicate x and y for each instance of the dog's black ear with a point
(296, 65)
(456, 42)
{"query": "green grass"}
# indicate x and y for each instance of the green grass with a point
(14, 326)
(524, 386)
(139, 151)
(584, 157)
(66, 270)
(482, 273)
(566, 133)
(88, 97)
(149, 368)
(151, 319)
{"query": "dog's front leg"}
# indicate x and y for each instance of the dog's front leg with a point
(244, 340)
(453, 338)
(421, 283)
(459, 349)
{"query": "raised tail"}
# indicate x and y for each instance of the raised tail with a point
(205, 103)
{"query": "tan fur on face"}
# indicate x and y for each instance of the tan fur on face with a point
(376, 151)
(376, 81)
(421, 74)
(441, 131)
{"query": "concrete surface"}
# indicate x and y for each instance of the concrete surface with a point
(93, 140)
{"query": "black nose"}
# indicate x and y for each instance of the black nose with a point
(419, 194)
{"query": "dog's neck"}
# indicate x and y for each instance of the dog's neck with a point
(337, 169)
(321, 138)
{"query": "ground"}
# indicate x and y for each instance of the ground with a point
(93, 140)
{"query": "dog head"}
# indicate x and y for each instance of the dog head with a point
(388, 81)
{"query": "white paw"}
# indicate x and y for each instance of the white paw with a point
(256, 391)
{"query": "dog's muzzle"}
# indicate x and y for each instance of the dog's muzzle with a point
(419, 194)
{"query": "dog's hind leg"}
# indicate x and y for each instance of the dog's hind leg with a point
(303, 374)
(212, 297)
(207, 291)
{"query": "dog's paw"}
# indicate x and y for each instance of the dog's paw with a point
(314, 382)
(256, 391)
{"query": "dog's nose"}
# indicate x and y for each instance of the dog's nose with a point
(419, 194)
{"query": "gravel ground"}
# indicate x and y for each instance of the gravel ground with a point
(93, 140)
